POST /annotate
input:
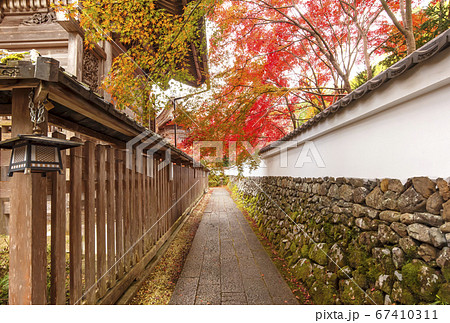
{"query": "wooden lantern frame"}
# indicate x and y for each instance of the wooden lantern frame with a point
(36, 154)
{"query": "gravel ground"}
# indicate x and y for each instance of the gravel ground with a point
(159, 286)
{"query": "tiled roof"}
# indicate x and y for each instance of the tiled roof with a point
(422, 54)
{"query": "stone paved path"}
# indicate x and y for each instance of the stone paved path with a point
(227, 264)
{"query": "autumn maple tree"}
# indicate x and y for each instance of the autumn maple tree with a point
(274, 63)
(427, 23)
(155, 44)
(283, 61)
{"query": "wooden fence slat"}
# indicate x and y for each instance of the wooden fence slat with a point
(101, 218)
(111, 216)
(179, 192)
(139, 211)
(154, 201)
(146, 206)
(165, 198)
(58, 233)
(127, 218)
(158, 199)
(119, 213)
(89, 220)
(133, 208)
(172, 201)
(75, 240)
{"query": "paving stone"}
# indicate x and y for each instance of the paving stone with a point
(227, 249)
(192, 266)
(234, 299)
(227, 264)
(256, 291)
(208, 294)
(185, 291)
(249, 268)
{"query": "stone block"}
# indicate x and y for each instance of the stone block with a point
(444, 189)
(387, 235)
(424, 186)
(375, 199)
(419, 232)
(437, 238)
(427, 252)
(390, 216)
(400, 228)
(411, 201)
(434, 203)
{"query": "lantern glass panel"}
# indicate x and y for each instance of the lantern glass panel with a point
(45, 154)
(19, 154)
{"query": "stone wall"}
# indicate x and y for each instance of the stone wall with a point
(354, 241)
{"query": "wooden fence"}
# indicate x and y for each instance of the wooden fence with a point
(117, 219)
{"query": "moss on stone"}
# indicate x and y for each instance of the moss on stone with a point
(303, 269)
(423, 280)
(444, 294)
(359, 277)
(410, 273)
(293, 247)
(304, 251)
(446, 272)
(356, 255)
(319, 273)
(344, 272)
(402, 294)
(318, 253)
(350, 293)
(374, 297)
(323, 294)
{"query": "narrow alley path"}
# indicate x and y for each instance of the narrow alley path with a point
(227, 264)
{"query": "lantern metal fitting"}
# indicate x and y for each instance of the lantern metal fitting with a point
(36, 153)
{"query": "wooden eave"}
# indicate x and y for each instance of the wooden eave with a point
(79, 109)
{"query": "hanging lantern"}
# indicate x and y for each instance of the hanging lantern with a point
(36, 154)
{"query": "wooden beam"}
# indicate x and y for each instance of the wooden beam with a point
(5, 123)
(84, 107)
(8, 85)
(5, 109)
(69, 125)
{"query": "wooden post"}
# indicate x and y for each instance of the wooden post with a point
(111, 216)
(159, 198)
(58, 233)
(28, 221)
(139, 201)
(101, 219)
(133, 208)
(76, 188)
(153, 200)
(119, 213)
(127, 218)
(89, 220)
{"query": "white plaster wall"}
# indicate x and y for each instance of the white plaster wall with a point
(400, 130)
